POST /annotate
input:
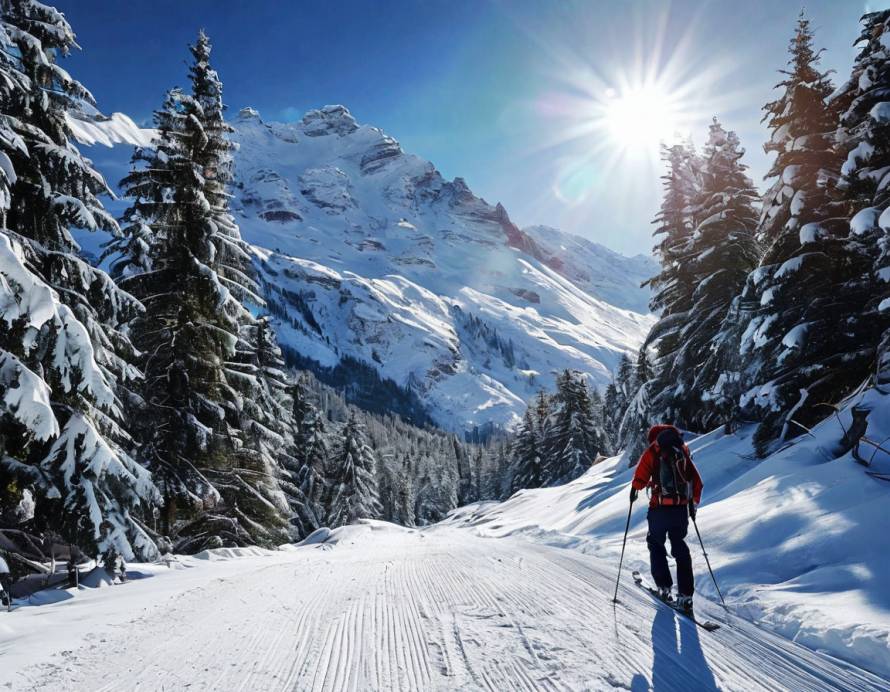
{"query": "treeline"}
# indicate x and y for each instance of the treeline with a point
(150, 408)
(770, 307)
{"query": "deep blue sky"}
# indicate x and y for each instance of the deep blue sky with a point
(479, 87)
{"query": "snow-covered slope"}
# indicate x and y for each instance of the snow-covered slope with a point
(601, 272)
(368, 252)
(800, 542)
(379, 607)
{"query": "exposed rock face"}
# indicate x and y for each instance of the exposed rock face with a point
(328, 120)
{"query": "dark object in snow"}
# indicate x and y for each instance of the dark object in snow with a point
(708, 625)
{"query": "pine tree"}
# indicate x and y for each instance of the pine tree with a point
(722, 252)
(789, 328)
(304, 467)
(637, 417)
(573, 440)
(612, 414)
(673, 287)
(865, 138)
(64, 363)
(625, 380)
(354, 492)
(527, 455)
(217, 416)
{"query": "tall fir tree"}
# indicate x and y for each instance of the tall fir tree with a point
(573, 439)
(527, 454)
(353, 483)
(673, 287)
(721, 253)
(864, 136)
(64, 361)
(790, 328)
(217, 413)
(637, 416)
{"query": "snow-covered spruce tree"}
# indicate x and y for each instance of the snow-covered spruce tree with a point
(304, 467)
(864, 137)
(721, 253)
(526, 454)
(216, 431)
(63, 361)
(353, 481)
(625, 380)
(790, 327)
(672, 287)
(573, 439)
(637, 416)
(612, 414)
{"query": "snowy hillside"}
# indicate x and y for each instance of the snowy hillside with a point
(799, 541)
(608, 275)
(368, 252)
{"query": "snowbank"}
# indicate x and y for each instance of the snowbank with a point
(800, 542)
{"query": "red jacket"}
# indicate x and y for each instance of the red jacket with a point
(646, 468)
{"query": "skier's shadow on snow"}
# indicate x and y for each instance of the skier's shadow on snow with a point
(678, 662)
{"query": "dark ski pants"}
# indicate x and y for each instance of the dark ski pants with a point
(670, 522)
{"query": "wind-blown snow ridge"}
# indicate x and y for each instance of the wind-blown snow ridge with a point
(366, 251)
(117, 128)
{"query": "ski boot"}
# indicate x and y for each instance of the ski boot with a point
(664, 593)
(684, 603)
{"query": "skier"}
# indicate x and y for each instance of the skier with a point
(666, 467)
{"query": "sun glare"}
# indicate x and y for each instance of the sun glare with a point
(640, 119)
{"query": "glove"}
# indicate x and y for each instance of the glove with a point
(633, 495)
(692, 510)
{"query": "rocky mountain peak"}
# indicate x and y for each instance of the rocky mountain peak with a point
(329, 120)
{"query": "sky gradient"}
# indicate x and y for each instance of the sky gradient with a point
(495, 92)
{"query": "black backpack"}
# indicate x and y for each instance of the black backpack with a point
(671, 474)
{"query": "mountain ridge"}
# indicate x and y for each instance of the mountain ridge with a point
(367, 253)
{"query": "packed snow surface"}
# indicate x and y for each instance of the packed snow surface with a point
(378, 607)
(799, 541)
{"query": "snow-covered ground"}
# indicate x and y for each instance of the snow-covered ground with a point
(385, 608)
(800, 541)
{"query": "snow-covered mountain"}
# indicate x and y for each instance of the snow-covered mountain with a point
(368, 252)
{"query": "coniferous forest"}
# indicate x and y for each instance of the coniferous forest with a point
(150, 408)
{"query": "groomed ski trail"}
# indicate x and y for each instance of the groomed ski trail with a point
(394, 609)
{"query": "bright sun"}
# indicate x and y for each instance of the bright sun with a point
(640, 119)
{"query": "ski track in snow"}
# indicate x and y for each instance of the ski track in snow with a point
(440, 609)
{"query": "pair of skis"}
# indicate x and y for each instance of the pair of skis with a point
(708, 625)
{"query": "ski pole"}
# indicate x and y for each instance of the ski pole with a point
(708, 562)
(623, 543)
